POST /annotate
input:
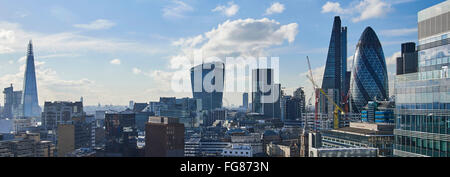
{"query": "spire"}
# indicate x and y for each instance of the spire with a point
(30, 48)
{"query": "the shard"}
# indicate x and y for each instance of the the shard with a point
(30, 97)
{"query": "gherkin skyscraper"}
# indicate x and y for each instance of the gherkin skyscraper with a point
(29, 98)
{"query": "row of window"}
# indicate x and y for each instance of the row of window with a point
(422, 146)
(423, 123)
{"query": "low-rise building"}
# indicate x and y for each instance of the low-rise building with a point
(238, 150)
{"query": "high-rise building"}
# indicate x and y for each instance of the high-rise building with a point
(407, 62)
(12, 108)
(245, 100)
(423, 97)
(164, 137)
(30, 96)
(334, 77)
(207, 81)
(121, 134)
(378, 112)
(266, 102)
(60, 112)
(369, 78)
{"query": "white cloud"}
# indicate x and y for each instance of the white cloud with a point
(136, 71)
(229, 10)
(275, 8)
(362, 10)
(392, 60)
(308, 86)
(399, 32)
(96, 25)
(115, 61)
(176, 9)
(14, 39)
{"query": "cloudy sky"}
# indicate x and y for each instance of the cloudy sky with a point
(111, 52)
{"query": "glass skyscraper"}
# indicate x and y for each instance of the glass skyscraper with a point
(336, 65)
(211, 93)
(30, 99)
(369, 77)
(423, 97)
(267, 103)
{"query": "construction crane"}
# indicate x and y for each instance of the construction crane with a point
(337, 109)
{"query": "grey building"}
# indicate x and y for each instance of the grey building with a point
(207, 81)
(422, 97)
(266, 102)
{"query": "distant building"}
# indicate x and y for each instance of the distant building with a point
(121, 134)
(380, 136)
(245, 101)
(238, 150)
(378, 112)
(164, 137)
(407, 62)
(73, 135)
(343, 152)
(12, 105)
(209, 90)
(26, 145)
(30, 101)
(60, 112)
(202, 147)
(266, 102)
(283, 149)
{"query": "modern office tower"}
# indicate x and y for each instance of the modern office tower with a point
(30, 96)
(266, 102)
(245, 100)
(292, 108)
(362, 135)
(407, 62)
(183, 109)
(59, 112)
(299, 95)
(217, 114)
(121, 134)
(422, 98)
(12, 108)
(207, 81)
(378, 112)
(164, 137)
(237, 150)
(369, 77)
(334, 77)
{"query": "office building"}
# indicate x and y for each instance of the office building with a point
(263, 101)
(378, 112)
(164, 137)
(245, 101)
(407, 62)
(422, 98)
(121, 134)
(334, 77)
(59, 112)
(26, 145)
(237, 150)
(343, 152)
(30, 96)
(12, 103)
(369, 77)
(204, 147)
(375, 135)
(207, 81)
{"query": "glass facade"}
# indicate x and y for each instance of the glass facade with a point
(211, 97)
(336, 66)
(369, 78)
(30, 99)
(423, 98)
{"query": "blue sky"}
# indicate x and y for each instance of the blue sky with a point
(111, 52)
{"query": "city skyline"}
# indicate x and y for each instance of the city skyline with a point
(109, 60)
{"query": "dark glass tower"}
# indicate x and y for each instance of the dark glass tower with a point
(336, 65)
(268, 102)
(208, 72)
(30, 99)
(369, 77)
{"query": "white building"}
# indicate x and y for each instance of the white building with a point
(238, 150)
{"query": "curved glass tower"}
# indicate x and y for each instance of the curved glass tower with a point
(369, 77)
(30, 99)
(207, 81)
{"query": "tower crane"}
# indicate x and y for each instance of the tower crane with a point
(337, 109)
